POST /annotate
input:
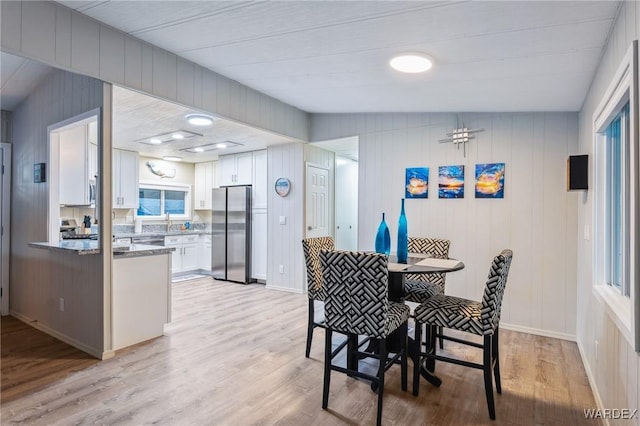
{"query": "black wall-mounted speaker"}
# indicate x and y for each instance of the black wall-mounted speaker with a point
(577, 172)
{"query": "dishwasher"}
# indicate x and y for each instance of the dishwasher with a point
(149, 240)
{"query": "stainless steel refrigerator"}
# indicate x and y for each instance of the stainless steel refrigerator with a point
(231, 234)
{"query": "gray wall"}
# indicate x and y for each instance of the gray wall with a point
(39, 278)
(613, 366)
(536, 218)
(60, 37)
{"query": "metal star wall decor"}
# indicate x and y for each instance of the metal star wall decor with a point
(460, 135)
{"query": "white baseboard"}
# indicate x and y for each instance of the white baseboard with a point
(538, 332)
(63, 337)
(592, 380)
(290, 290)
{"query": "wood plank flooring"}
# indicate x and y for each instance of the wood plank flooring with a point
(234, 355)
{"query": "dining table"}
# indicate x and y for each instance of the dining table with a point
(419, 264)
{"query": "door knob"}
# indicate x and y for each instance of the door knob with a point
(309, 228)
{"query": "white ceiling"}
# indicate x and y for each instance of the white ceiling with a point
(331, 56)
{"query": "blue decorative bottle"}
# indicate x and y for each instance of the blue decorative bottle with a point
(402, 236)
(383, 240)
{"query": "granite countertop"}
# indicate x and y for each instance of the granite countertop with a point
(83, 247)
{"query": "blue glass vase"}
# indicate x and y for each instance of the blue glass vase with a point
(383, 240)
(402, 236)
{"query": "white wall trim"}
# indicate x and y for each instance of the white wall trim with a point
(539, 332)
(592, 380)
(63, 337)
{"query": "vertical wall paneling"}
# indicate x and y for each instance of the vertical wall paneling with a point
(612, 364)
(160, 74)
(38, 30)
(63, 37)
(132, 62)
(147, 68)
(40, 277)
(185, 82)
(112, 44)
(10, 30)
(532, 219)
(85, 46)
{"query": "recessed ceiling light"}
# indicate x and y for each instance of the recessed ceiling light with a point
(155, 141)
(199, 119)
(172, 158)
(411, 63)
(221, 145)
(177, 136)
(198, 149)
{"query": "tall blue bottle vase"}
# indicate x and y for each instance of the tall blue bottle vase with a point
(402, 251)
(383, 239)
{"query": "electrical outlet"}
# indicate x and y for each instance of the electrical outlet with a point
(61, 304)
(281, 269)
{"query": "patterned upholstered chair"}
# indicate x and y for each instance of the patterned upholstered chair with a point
(481, 318)
(357, 303)
(421, 287)
(315, 287)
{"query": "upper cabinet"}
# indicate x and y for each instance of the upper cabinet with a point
(235, 169)
(205, 177)
(78, 166)
(125, 179)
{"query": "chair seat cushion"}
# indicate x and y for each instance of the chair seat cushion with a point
(451, 312)
(397, 315)
(420, 291)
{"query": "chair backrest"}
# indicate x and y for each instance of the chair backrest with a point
(312, 247)
(436, 247)
(357, 292)
(494, 290)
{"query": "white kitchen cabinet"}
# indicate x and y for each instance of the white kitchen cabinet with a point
(236, 169)
(185, 256)
(259, 180)
(205, 252)
(204, 182)
(259, 244)
(75, 167)
(125, 179)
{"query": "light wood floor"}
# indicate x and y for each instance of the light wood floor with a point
(234, 355)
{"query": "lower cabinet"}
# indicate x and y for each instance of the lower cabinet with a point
(205, 252)
(185, 256)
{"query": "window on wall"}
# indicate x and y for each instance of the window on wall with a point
(616, 221)
(616, 138)
(156, 201)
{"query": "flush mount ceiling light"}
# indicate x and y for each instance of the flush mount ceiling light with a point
(168, 137)
(172, 158)
(211, 147)
(199, 119)
(411, 63)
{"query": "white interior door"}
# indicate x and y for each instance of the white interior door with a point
(346, 206)
(317, 202)
(5, 197)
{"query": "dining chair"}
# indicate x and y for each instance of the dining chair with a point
(421, 287)
(316, 289)
(357, 304)
(481, 318)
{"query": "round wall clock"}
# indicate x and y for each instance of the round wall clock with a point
(283, 185)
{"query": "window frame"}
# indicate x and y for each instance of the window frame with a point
(624, 310)
(168, 187)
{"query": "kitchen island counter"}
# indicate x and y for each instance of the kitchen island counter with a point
(84, 247)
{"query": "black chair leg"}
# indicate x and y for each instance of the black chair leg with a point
(310, 327)
(488, 376)
(403, 358)
(416, 358)
(430, 338)
(381, 369)
(327, 368)
(440, 330)
(496, 361)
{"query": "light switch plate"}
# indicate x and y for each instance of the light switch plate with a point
(283, 220)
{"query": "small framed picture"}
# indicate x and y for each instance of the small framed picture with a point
(39, 173)
(283, 186)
